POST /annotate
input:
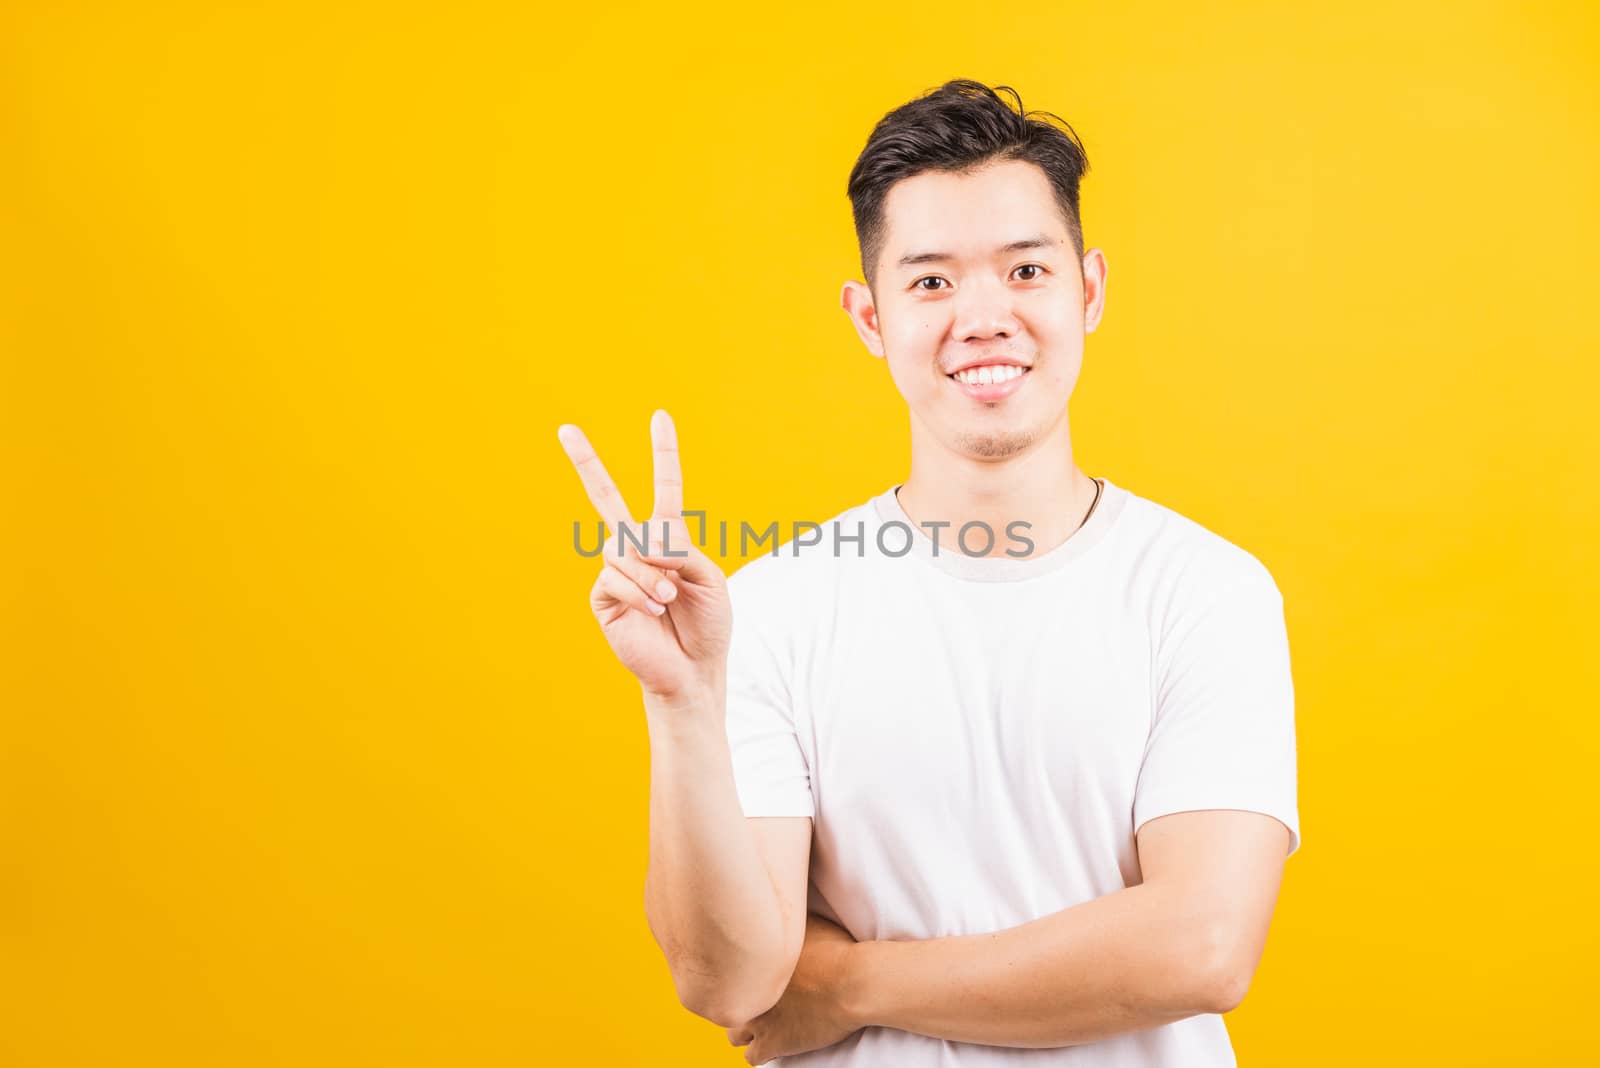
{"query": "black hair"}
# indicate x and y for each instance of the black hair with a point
(957, 128)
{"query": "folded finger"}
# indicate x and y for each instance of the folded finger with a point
(616, 586)
(653, 580)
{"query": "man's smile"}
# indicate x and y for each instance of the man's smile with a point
(989, 382)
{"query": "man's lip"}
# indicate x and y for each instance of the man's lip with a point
(997, 361)
(992, 391)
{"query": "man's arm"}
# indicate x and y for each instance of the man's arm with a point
(725, 901)
(1185, 941)
(724, 896)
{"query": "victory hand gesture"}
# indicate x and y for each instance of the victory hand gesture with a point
(667, 618)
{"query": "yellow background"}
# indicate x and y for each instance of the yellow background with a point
(314, 754)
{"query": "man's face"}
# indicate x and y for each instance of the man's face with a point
(980, 269)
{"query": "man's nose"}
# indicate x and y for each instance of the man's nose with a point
(984, 310)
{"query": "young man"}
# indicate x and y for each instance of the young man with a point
(1002, 769)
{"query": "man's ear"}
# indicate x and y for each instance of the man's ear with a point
(856, 299)
(1094, 289)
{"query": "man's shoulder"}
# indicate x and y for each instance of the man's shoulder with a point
(1189, 556)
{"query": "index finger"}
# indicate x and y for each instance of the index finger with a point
(669, 475)
(597, 483)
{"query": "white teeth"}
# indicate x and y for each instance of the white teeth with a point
(983, 376)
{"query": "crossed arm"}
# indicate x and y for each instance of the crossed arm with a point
(1183, 942)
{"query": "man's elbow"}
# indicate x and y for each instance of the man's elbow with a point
(729, 1004)
(1227, 991)
(726, 1008)
(1223, 983)
(736, 986)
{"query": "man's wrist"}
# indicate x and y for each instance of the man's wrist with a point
(861, 990)
(693, 701)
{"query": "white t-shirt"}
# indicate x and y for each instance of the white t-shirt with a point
(978, 738)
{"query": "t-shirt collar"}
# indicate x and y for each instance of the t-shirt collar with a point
(886, 510)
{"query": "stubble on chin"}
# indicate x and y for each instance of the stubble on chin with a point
(996, 445)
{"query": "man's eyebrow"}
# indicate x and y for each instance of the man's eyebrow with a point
(910, 259)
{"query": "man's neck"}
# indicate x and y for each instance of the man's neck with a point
(1041, 487)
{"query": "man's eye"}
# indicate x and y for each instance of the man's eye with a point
(918, 284)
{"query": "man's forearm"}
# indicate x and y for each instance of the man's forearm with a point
(1130, 960)
(709, 900)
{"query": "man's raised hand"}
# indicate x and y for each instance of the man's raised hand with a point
(667, 618)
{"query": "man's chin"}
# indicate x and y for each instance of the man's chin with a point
(995, 444)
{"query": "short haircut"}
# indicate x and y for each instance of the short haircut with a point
(958, 128)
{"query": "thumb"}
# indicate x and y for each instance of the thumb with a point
(676, 551)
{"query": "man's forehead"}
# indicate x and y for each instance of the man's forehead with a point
(998, 209)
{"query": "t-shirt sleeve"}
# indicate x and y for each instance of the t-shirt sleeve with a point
(769, 765)
(1224, 731)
